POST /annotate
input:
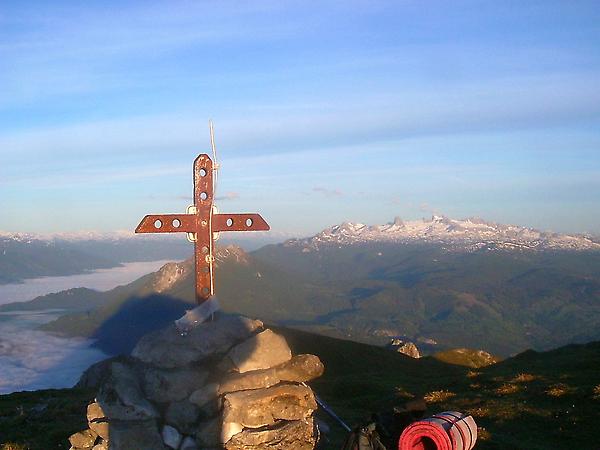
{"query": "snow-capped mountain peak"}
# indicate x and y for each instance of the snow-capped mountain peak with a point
(466, 235)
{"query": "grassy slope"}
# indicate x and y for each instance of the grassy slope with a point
(534, 401)
(42, 420)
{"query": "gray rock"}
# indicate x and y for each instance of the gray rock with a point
(99, 372)
(296, 435)
(94, 375)
(254, 405)
(207, 399)
(182, 415)
(188, 444)
(264, 407)
(262, 351)
(121, 398)
(131, 435)
(211, 409)
(163, 386)
(83, 439)
(299, 369)
(171, 437)
(404, 347)
(170, 348)
(102, 429)
(97, 420)
(230, 429)
(95, 412)
(205, 394)
(209, 433)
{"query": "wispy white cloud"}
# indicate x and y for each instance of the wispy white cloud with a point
(70, 49)
(101, 98)
(228, 196)
(527, 102)
(328, 192)
(73, 175)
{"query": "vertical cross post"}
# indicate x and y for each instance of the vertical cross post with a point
(201, 222)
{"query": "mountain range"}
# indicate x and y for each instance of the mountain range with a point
(462, 235)
(29, 255)
(502, 299)
(440, 283)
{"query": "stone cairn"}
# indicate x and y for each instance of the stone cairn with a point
(226, 384)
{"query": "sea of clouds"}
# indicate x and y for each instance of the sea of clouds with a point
(31, 359)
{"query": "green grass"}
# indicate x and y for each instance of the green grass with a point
(535, 401)
(13, 446)
(42, 420)
(466, 357)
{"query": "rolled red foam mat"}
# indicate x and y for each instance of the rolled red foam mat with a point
(448, 430)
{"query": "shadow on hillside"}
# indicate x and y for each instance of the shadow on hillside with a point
(137, 316)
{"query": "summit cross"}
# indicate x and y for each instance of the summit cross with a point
(201, 222)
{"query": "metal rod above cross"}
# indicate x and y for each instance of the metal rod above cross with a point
(201, 222)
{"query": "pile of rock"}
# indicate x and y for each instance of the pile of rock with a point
(228, 383)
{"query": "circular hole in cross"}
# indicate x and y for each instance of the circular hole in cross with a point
(203, 196)
(157, 224)
(176, 223)
(205, 249)
(249, 222)
(205, 291)
(229, 222)
(203, 172)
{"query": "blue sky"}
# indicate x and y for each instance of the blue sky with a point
(324, 111)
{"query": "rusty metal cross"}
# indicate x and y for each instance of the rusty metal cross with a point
(201, 222)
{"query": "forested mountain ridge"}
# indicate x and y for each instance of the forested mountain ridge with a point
(503, 301)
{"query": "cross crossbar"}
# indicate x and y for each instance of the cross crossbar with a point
(201, 222)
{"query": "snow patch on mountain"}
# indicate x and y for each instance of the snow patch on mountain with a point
(76, 236)
(463, 235)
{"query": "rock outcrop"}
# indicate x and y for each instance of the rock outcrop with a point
(404, 347)
(226, 384)
(467, 357)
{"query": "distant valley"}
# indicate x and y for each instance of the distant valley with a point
(25, 256)
(456, 288)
